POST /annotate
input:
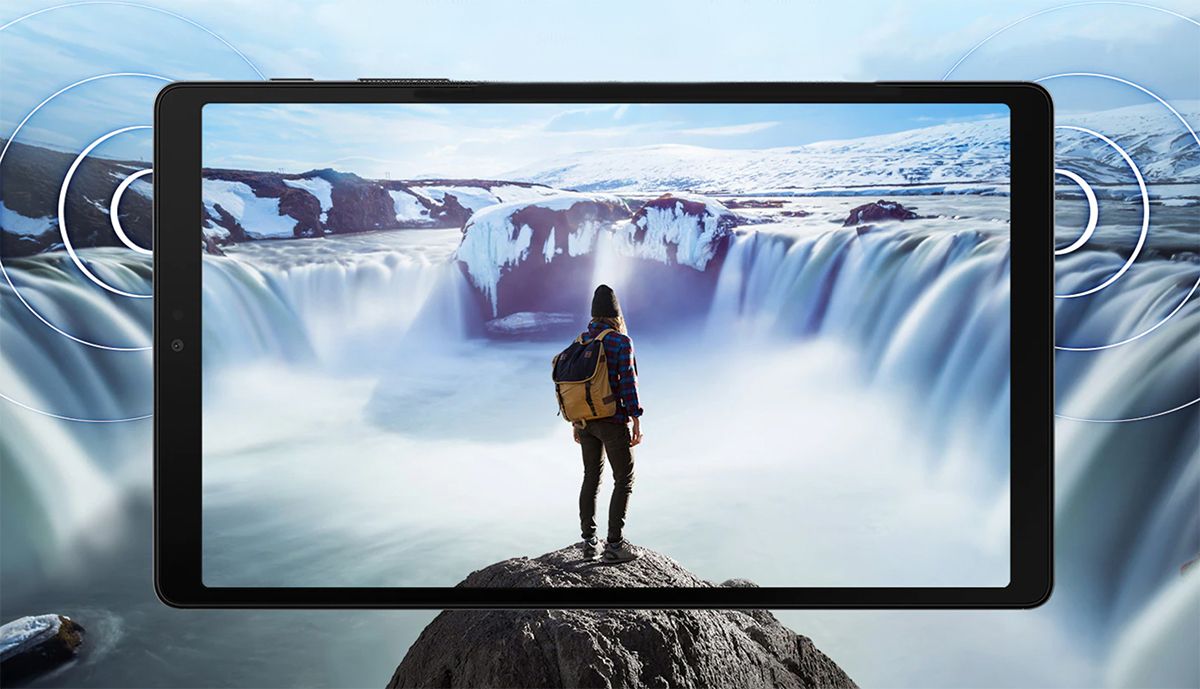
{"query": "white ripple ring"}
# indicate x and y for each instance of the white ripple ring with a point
(1093, 212)
(4, 151)
(62, 214)
(1141, 242)
(114, 209)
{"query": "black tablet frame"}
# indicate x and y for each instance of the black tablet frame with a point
(177, 369)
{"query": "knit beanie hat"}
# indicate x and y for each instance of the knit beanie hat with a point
(605, 304)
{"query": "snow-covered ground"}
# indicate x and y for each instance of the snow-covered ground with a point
(318, 187)
(960, 157)
(259, 215)
(475, 198)
(14, 222)
(407, 207)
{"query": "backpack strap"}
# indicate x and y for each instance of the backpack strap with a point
(582, 339)
(602, 334)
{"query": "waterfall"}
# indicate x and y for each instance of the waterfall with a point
(925, 312)
(1127, 492)
(63, 481)
(335, 313)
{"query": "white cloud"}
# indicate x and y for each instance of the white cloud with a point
(730, 129)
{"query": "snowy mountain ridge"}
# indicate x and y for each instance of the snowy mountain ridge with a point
(974, 152)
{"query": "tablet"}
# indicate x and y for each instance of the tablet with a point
(763, 345)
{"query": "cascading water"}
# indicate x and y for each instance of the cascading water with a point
(1127, 492)
(56, 486)
(1124, 527)
(927, 313)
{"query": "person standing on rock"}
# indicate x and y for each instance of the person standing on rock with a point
(611, 436)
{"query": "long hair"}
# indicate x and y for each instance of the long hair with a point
(617, 323)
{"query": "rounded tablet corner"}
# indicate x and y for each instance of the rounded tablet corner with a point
(168, 91)
(1036, 93)
(165, 596)
(1032, 595)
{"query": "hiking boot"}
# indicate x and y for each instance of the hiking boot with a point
(616, 553)
(591, 547)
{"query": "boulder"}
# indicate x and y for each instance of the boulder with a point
(878, 211)
(526, 325)
(35, 644)
(609, 648)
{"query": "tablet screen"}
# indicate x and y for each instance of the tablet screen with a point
(768, 341)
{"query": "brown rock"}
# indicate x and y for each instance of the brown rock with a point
(32, 645)
(878, 211)
(609, 648)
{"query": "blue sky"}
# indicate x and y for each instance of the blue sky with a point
(456, 140)
(540, 40)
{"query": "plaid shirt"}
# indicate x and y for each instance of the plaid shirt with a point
(622, 372)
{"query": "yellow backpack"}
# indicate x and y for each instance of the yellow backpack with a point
(580, 374)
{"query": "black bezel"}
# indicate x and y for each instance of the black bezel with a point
(177, 374)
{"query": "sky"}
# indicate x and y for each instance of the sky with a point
(540, 40)
(490, 140)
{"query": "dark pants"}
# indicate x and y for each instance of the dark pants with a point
(599, 438)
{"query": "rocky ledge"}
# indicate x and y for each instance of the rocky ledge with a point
(35, 644)
(609, 648)
(878, 211)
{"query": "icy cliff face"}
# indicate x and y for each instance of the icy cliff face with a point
(542, 259)
(526, 237)
(676, 228)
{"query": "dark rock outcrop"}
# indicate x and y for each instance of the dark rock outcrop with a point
(32, 178)
(358, 204)
(609, 648)
(34, 174)
(753, 203)
(32, 645)
(878, 211)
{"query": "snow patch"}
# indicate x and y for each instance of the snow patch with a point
(25, 633)
(210, 230)
(476, 198)
(407, 207)
(143, 187)
(471, 198)
(507, 193)
(318, 187)
(15, 223)
(259, 216)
